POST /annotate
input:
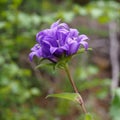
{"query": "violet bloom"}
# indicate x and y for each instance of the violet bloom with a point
(57, 41)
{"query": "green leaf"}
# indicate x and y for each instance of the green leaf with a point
(115, 105)
(88, 116)
(44, 65)
(67, 96)
(63, 61)
(34, 91)
(83, 50)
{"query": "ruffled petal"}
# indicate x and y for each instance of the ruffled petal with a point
(82, 38)
(55, 24)
(31, 55)
(61, 38)
(40, 35)
(35, 47)
(62, 48)
(85, 44)
(63, 26)
(53, 49)
(73, 32)
(65, 47)
(58, 52)
(37, 53)
(46, 50)
(73, 48)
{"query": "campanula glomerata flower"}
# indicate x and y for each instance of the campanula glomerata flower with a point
(57, 41)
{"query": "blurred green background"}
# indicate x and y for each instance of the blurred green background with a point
(23, 88)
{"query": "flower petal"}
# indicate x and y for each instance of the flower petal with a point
(53, 49)
(35, 47)
(62, 48)
(63, 25)
(82, 38)
(59, 52)
(46, 50)
(73, 48)
(65, 47)
(55, 24)
(85, 44)
(31, 55)
(37, 53)
(73, 32)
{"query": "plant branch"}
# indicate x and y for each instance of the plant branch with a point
(80, 100)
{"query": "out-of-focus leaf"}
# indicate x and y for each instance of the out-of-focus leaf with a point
(83, 50)
(36, 19)
(88, 116)
(103, 19)
(15, 87)
(68, 16)
(96, 12)
(24, 20)
(115, 106)
(80, 10)
(2, 24)
(1, 60)
(35, 91)
(92, 70)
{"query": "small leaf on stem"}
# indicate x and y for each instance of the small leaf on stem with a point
(67, 96)
(44, 65)
(83, 50)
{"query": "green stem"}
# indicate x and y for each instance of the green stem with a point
(81, 102)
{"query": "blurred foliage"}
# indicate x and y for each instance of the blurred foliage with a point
(20, 88)
(103, 11)
(115, 109)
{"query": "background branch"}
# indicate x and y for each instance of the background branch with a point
(114, 54)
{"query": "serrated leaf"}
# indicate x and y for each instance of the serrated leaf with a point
(67, 96)
(88, 116)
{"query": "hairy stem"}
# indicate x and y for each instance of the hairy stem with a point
(80, 100)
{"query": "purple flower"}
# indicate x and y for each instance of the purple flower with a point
(59, 40)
